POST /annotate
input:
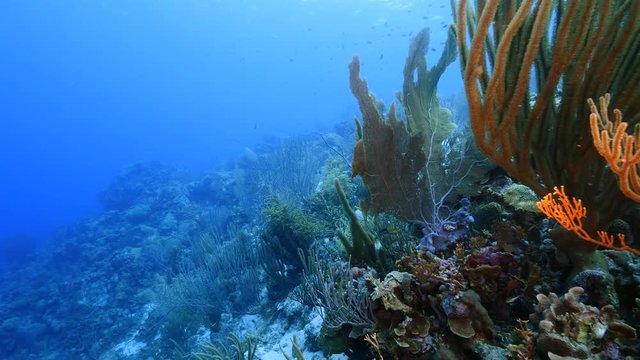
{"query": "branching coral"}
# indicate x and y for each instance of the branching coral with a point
(531, 123)
(621, 150)
(570, 214)
(362, 248)
(339, 292)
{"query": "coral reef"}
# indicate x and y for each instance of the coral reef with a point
(399, 250)
(570, 328)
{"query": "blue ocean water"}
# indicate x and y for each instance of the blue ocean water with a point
(88, 88)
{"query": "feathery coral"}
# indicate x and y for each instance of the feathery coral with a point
(569, 214)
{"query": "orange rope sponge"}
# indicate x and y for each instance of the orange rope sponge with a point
(569, 214)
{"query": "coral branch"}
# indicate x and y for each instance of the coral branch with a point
(527, 67)
(616, 146)
(569, 214)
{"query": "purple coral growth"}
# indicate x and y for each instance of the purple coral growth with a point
(439, 234)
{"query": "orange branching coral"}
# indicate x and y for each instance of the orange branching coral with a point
(528, 122)
(620, 149)
(569, 214)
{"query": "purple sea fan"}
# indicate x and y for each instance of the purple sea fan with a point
(442, 232)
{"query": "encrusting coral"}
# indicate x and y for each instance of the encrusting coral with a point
(570, 328)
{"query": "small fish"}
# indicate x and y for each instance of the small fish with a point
(433, 49)
(509, 301)
(381, 56)
(444, 26)
(377, 245)
(388, 231)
